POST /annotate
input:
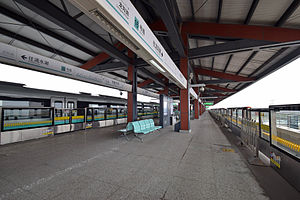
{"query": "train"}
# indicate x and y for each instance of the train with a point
(272, 134)
(28, 113)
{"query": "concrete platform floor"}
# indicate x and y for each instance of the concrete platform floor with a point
(98, 164)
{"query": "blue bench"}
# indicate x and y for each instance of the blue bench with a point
(140, 127)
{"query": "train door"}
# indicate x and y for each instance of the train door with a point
(58, 102)
(71, 103)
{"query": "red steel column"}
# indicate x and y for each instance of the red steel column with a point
(130, 96)
(196, 104)
(184, 98)
(201, 109)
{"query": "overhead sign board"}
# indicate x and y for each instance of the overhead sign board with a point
(16, 56)
(193, 93)
(122, 20)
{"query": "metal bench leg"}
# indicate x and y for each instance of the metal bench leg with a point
(141, 139)
(124, 135)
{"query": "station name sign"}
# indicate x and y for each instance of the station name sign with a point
(123, 15)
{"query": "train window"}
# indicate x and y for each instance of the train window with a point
(285, 130)
(58, 104)
(14, 119)
(264, 126)
(71, 104)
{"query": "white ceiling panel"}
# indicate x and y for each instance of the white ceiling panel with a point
(184, 9)
(72, 10)
(237, 61)
(31, 48)
(235, 11)
(206, 11)
(268, 12)
(206, 62)
(294, 20)
(5, 39)
(220, 62)
(202, 43)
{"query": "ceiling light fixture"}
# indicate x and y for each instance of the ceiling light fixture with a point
(157, 66)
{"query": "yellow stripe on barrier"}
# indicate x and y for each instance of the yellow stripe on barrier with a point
(111, 115)
(286, 143)
(61, 118)
(102, 117)
(265, 133)
(78, 117)
(25, 123)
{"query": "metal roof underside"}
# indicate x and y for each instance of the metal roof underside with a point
(32, 29)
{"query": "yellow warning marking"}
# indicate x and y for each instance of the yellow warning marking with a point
(227, 150)
(49, 133)
(275, 163)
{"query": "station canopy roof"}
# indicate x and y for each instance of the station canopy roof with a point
(230, 44)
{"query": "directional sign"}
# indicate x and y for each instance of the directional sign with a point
(27, 59)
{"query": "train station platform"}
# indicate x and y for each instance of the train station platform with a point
(99, 164)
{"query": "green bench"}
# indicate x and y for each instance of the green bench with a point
(140, 127)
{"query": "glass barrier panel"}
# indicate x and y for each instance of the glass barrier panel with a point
(234, 117)
(140, 112)
(265, 125)
(89, 114)
(285, 131)
(78, 115)
(111, 113)
(148, 111)
(99, 114)
(61, 116)
(122, 113)
(254, 118)
(239, 117)
(15, 118)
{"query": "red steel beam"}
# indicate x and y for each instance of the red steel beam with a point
(101, 57)
(222, 75)
(146, 82)
(164, 91)
(220, 88)
(267, 33)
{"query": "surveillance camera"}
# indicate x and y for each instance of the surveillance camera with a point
(202, 89)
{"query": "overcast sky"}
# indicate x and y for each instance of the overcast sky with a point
(39, 80)
(280, 87)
